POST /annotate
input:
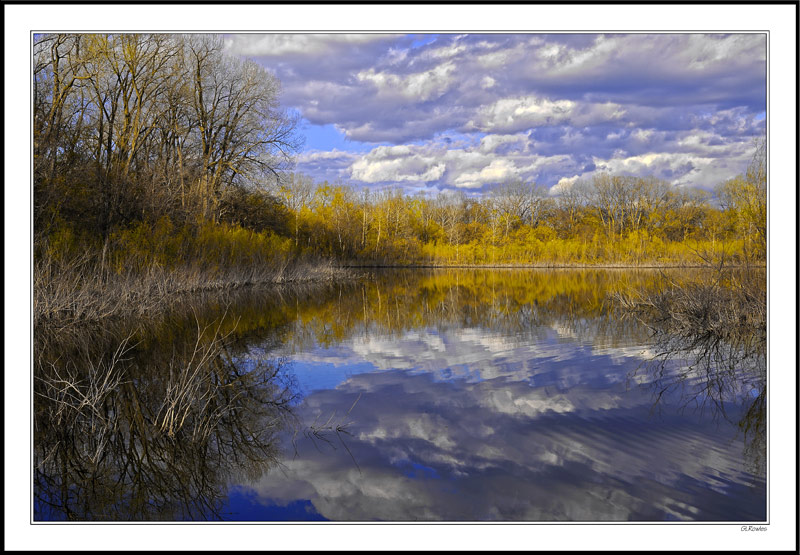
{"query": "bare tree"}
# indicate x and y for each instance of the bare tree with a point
(155, 120)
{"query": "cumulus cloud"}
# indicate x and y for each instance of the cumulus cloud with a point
(521, 113)
(496, 172)
(399, 163)
(328, 165)
(492, 143)
(312, 156)
(418, 87)
(476, 167)
(679, 168)
(546, 107)
(468, 167)
(514, 114)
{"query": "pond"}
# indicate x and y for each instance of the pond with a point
(410, 395)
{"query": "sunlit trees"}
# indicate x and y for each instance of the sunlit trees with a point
(744, 199)
(518, 202)
(296, 192)
(570, 202)
(449, 209)
(611, 220)
(132, 126)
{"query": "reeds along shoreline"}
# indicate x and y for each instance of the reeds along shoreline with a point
(728, 305)
(712, 332)
(80, 291)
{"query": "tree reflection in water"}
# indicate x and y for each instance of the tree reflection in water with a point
(118, 439)
(710, 338)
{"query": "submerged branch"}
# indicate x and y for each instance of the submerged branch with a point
(710, 341)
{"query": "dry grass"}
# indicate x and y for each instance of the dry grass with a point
(721, 319)
(77, 291)
(710, 341)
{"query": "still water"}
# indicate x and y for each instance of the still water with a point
(470, 395)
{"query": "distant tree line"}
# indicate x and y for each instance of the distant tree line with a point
(610, 218)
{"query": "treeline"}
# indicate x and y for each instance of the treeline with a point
(610, 219)
(160, 149)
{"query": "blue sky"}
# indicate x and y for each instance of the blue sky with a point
(465, 112)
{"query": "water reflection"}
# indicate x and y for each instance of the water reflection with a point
(709, 338)
(547, 438)
(153, 434)
(504, 396)
(411, 395)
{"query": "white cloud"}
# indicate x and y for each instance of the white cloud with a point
(697, 158)
(423, 86)
(496, 172)
(642, 135)
(323, 155)
(501, 57)
(599, 53)
(586, 114)
(490, 143)
(514, 114)
(525, 112)
(647, 164)
(470, 167)
(704, 51)
(564, 184)
(582, 97)
(679, 168)
(444, 52)
(397, 164)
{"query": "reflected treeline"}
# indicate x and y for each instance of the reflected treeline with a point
(152, 431)
(520, 303)
(514, 302)
(710, 338)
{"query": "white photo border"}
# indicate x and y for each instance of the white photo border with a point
(778, 20)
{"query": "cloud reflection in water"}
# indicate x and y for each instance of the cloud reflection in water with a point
(472, 424)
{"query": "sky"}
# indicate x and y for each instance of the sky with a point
(434, 112)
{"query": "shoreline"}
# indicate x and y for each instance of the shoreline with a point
(59, 306)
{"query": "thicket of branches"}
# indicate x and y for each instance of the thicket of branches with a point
(154, 432)
(131, 128)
